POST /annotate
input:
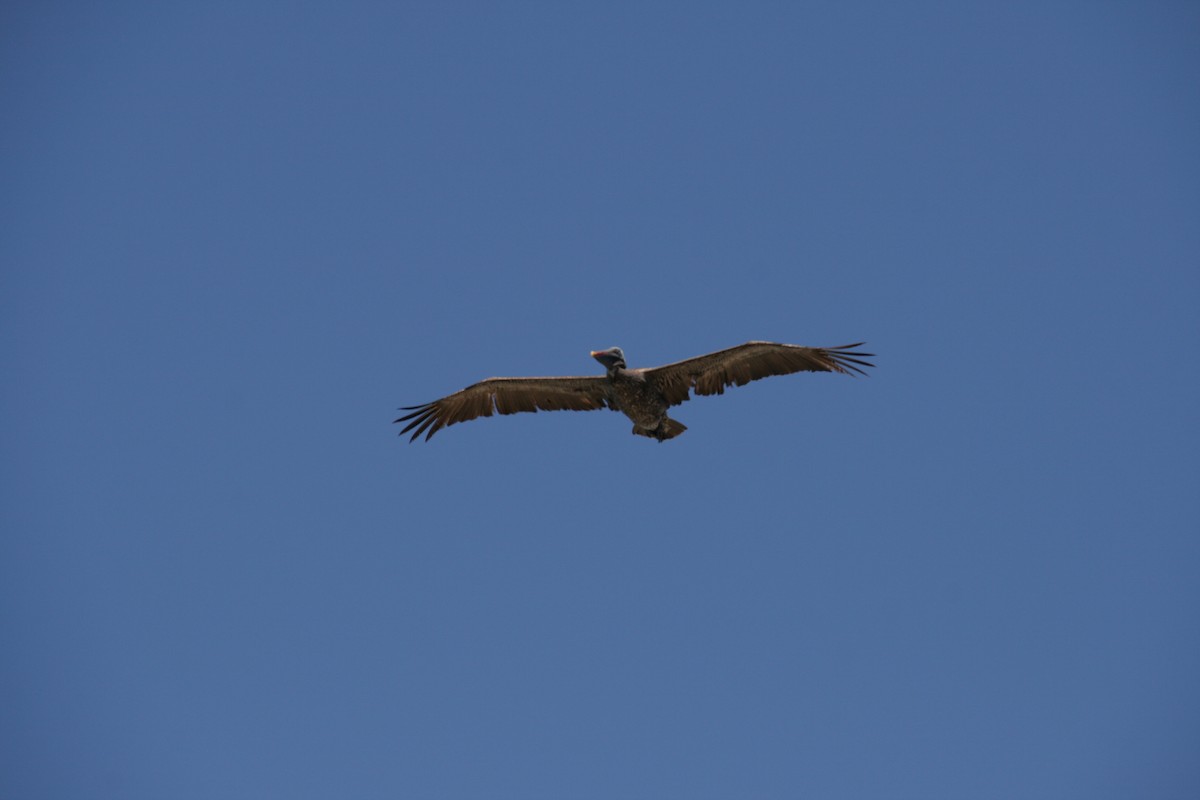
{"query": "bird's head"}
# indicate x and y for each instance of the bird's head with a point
(612, 358)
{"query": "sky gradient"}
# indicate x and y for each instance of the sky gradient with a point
(236, 237)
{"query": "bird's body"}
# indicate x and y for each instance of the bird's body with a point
(642, 401)
(643, 395)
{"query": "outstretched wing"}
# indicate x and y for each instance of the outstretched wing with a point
(507, 396)
(737, 366)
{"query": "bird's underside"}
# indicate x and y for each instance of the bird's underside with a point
(643, 395)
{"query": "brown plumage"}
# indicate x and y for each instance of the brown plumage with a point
(643, 395)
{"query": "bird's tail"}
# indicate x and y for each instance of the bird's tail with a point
(667, 429)
(670, 428)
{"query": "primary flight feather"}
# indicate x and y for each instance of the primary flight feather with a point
(643, 395)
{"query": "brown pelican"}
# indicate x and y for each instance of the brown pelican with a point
(643, 395)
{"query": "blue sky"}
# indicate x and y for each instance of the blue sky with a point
(236, 236)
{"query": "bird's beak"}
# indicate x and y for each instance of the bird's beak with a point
(595, 353)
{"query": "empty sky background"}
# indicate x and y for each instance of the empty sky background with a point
(235, 236)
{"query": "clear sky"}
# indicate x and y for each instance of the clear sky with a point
(235, 236)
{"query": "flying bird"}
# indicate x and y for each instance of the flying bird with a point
(643, 395)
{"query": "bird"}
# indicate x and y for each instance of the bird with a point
(643, 395)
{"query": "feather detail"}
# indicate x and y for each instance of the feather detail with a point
(736, 366)
(506, 396)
